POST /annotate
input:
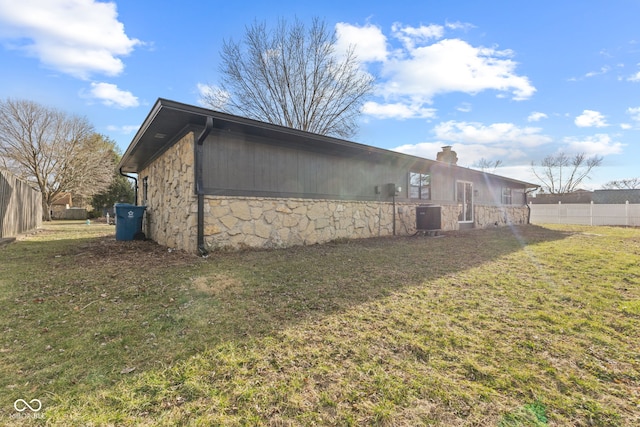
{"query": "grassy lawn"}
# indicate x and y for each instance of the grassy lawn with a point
(528, 326)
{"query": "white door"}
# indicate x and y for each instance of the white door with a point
(464, 196)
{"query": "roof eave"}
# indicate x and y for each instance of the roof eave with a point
(127, 163)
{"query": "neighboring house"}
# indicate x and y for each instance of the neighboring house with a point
(67, 206)
(212, 180)
(616, 197)
(600, 197)
(59, 205)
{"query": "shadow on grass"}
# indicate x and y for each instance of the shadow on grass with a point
(78, 314)
(261, 291)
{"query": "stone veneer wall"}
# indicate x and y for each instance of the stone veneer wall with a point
(263, 222)
(171, 218)
(487, 216)
(237, 222)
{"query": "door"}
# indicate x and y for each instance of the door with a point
(464, 196)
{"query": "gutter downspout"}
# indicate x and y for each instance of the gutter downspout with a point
(526, 203)
(394, 213)
(135, 193)
(200, 185)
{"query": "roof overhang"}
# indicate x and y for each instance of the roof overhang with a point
(168, 120)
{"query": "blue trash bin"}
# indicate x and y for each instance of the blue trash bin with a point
(128, 220)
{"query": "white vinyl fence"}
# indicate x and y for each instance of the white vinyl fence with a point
(586, 214)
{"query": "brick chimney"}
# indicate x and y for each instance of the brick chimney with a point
(447, 155)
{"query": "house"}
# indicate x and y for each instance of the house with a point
(577, 196)
(212, 180)
(599, 197)
(66, 206)
(617, 197)
(60, 204)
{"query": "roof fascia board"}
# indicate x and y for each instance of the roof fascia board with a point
(138, 136)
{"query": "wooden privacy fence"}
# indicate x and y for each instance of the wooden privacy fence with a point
(20, 206)
(586, 214)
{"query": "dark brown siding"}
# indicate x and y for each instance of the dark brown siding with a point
(235, 165)
(239, 165)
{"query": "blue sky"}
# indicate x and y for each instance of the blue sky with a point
(499, 80)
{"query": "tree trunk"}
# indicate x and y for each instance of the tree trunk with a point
(46, 211)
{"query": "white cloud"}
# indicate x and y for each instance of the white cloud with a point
(465, 107)
(521, 171)
(126, 129)
(590, 118)
(212, 96)
(536, 116)
(453, 65)
(474, 141)
(76, 37)
(425, 64)
(110, 95)
(634, 112)
(599, 144)
(464, 26)
(468, 154)
(397, 111)
(204, 90)
(603, 70)
(428, 150)
(410, 36)
(496, 133)
(369, 41)
(635, 77)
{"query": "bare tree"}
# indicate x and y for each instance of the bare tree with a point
(560, 173)
(293, 77)
(487, 165)
(623, 184)
(121, 188)
(55, 151)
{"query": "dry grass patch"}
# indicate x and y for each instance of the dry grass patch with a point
(527, 326)
(215, 284)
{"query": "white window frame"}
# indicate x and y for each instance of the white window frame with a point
(507, 196)
(466, 201)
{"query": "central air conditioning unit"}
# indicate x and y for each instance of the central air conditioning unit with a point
(428, 218)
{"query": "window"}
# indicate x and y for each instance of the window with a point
(419, 186)
(145, 189)
(507, 198)
(464, 196)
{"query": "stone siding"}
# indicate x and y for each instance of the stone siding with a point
(239, 222)
(171, 218)
(491, 216)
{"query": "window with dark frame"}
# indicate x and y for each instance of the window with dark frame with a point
(419, 186)
(145, 189)
(507, 197)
